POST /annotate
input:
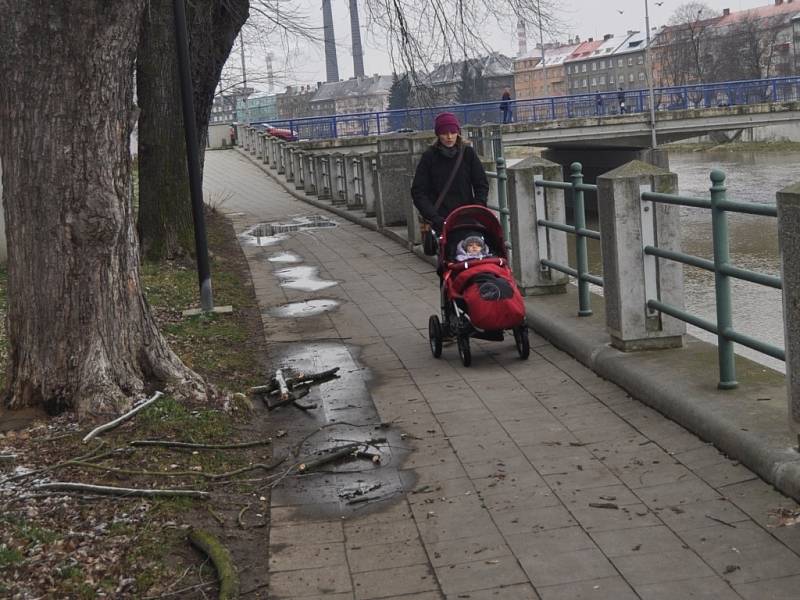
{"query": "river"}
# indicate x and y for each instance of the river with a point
(750, 177)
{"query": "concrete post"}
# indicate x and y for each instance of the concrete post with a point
(355, 198)
(789, 243)
(394, 181)
(532, 242)
(310, 176)
(264, 148)
(322, 172)
(252, 140)
(260, 145)
(273, 153)
(299, 170)
(370, 186)
(281, 157)
(338, 179)
(289, 153)
(630, 277)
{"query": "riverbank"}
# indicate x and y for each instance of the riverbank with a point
(783, 146)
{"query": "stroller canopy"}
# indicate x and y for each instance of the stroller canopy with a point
(470, 219)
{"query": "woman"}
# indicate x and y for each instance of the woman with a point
(448, 175)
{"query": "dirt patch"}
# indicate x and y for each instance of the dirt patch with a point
(83, 545)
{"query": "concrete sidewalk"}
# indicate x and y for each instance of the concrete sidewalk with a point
(507, 480)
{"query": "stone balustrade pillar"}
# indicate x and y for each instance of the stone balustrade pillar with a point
(281, 157)
(630, 277)
(338, 179)
(273, 153)
(322, 164)
(310, 175)
(299, 170)
(289, 163)
(353, 175)
(789, 243)
(369, 172)
(531, 242)
(394, 181)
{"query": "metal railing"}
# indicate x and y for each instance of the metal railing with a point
(595, 104)
(502, 198)
(723, 272)
(576, 188)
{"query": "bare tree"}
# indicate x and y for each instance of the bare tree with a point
(683, 49)
(80, 331)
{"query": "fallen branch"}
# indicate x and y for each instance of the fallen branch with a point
(240, 517)
(302, 379)
(223, 563)
(121, 419)
(170, 444)
(336, 454)
(212, 476)
(284, 389)
(68, 486)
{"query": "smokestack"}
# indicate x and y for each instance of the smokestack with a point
(331, 65)
(522, 39)
(270, 74)
(355, 34)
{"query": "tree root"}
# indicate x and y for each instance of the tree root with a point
(223, 563)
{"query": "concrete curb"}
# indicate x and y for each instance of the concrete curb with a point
(736, 422)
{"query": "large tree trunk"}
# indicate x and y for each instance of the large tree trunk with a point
(165, 212)
(165, 219)
(80, 330)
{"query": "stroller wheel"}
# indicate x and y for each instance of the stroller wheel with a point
(435, 336)
(521, 339)
(463, 350)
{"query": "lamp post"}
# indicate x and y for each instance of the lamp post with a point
(649, 67)
(541, 45)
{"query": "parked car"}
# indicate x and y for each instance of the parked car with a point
(280, 132)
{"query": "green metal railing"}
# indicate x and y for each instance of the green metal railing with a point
(723, 272)
(576, 188)
(502, 197)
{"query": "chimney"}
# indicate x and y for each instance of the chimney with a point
(331, 65)
(727, 11)
(522, 38)
(590, 40)
(355, 34)
(608, 36)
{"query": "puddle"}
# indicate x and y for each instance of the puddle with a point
(255, 237)
(345, 414)
(294, 224)
(304, 279)
(285, 257)
(308, 308)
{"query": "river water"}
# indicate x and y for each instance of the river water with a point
(750, 177)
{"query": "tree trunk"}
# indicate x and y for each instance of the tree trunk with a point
(165, 224)
(165, 218)
(80, 331)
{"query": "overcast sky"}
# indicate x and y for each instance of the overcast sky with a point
(586, 18)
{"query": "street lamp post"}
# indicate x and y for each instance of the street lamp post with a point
(649, 67)
(541, 45)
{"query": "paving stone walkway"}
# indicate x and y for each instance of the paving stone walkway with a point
(506, 480)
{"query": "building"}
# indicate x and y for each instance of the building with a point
(258, 109)
(295, 102)
(532, 79)
(489, 74)
(594, 70)
(356, 95)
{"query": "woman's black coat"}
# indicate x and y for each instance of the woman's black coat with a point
(470, 185)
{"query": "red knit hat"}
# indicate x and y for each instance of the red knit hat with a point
(446, 123)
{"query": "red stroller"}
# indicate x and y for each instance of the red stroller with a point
(479, 296)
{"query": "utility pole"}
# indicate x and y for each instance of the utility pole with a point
(649, 67)
(541, 45)
(246, 116)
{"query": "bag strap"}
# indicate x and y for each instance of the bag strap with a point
(450, 179)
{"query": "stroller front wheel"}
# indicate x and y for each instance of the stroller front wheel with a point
(435, 336)
(522, 342)
(463, 350)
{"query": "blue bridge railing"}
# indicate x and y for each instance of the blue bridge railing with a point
(708, 95)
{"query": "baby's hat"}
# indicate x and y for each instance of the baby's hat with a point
(474, 239)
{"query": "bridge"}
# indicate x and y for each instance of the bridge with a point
(588, 119)
(569, 486)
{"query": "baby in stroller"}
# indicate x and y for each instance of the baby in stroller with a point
(472, 247)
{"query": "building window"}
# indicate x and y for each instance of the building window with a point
(619, 62)
(594, 66)
(583, 68)
(640, 60)
(641, 75)
(602, 79)
(594, 81)
(602, 64)
(630, 77)
(630, 61)
(584, 83)
(610, 79)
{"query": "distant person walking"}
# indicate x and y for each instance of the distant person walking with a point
(598, 100)
(621, 100)
(505, 106)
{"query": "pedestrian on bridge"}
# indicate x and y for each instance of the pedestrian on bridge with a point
(621, 100)
(505, 106)
(449, 174)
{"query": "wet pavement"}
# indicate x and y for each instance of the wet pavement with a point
(506, 480)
